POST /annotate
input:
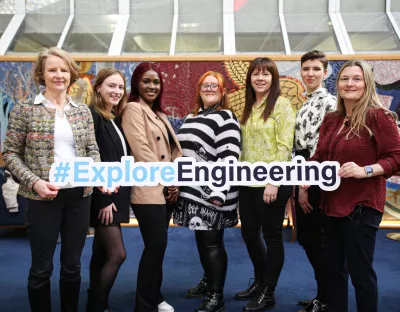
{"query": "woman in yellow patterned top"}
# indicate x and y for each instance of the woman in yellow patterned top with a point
(267, 135)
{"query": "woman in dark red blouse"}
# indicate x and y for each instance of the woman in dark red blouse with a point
(363, 137)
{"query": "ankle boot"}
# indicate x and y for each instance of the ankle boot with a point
(214, 302)
(198, 291)
(69, 295)
(265, 299)
(39, 298)
(91, 301)
(315, 306)
(251, 291)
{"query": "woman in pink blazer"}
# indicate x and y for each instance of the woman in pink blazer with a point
(151, 139)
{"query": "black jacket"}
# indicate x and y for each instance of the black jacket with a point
(111, 149)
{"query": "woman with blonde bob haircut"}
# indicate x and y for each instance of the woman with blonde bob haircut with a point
(108, 211)
(211, 133)
(52, 127)
(362, 136)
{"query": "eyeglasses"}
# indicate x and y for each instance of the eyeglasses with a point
(212, 87)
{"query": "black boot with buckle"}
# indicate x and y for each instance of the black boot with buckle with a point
(214, 302)
(315, 306)
(200, 290)
(251, 291)
(264, 300)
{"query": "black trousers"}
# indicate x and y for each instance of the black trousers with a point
(67, 214)
(153, 223)
(256, 216)
(350, 247)
(311, 233)
(213, 258)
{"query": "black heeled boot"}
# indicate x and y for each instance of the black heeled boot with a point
(305, 302)
(91, 301)
(214, 302)
(39, 298)
(315, 306)
(200, 290)
(264, 300)
(251, 291)
(69, 295)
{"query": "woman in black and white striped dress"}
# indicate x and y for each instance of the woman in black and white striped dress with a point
(211, 133)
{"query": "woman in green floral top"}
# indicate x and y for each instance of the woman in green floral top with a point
(267, 135)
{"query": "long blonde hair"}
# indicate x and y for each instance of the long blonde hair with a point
(368, 100)
(97, 100)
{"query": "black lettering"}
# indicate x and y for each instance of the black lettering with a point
(276, 170)
(299, 171)
(218, 178)
(316, 173)
(331, 177)
(289, 169)
(197, 171)
(182, 171)
(239, 173)
(231, 170)
(260, 173)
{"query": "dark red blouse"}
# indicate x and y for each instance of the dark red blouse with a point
(383, 148)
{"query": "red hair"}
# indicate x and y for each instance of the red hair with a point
(221, 83)
(137, 75)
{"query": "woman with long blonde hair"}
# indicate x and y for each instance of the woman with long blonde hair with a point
(363, 137)
(108, 211)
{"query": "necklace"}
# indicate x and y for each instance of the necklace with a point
(60, 113)
(346, 120)
(210, 110)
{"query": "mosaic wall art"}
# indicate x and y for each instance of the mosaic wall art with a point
(180, 80)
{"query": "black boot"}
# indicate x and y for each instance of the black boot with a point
(305, 302)
(250, 292)
(39, 298)
(315, 306)
(91, 301)
(200, 290)
(214, 302)
(69, 295)
(264, 300)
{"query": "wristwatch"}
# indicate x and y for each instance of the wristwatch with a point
(369, 171)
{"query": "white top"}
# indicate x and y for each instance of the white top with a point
(121, 137)
(64, 145)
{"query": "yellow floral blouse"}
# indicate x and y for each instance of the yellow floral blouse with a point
(271, 140)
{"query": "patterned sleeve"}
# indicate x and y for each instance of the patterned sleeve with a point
(14, 145)
(329, 105)
(92, 150)
(284, 131)
(228, 143)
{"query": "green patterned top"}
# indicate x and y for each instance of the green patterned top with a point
(271, 140)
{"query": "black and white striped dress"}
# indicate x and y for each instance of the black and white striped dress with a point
(209, 136)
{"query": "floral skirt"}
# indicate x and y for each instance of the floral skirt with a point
(196, 216)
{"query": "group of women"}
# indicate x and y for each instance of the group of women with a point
(337, 229)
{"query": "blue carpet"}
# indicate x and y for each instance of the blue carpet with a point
(182, 270)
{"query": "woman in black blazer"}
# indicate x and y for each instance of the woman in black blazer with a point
(107, 211)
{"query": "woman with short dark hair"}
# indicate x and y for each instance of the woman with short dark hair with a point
(309, 218)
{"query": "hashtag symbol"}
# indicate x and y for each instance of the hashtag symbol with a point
(61, 172)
